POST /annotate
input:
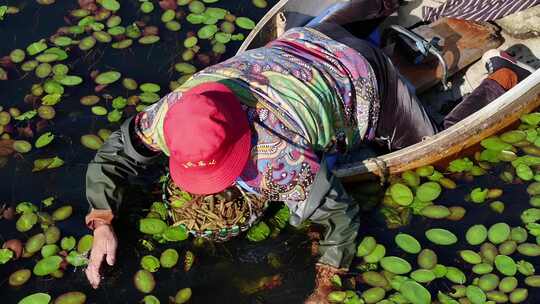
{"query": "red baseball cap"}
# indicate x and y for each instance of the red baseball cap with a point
(209, 139)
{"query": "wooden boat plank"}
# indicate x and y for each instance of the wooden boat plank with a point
(501, 113)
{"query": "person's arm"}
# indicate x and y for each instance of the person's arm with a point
(122, 156)
(329, 205)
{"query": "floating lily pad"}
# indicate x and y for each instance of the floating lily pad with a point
(401, 194)
(36, 298)
(44, 139)
(191, 42)
(195, 18)
(111, 5)
(89, 100)
(175, 234)
(415, 292)
(169, 258)
(53, 87)
(114, 21)
(17, 56)
(60, 69)
(47, 265)
(29, 65)
(91, 141)
(72, 297)
(46, 112)
(182, 296)
(196, 7)
(87, 43)
(69, 80)
(498, 233)
(147, 7)
(173, 26)
(133, 31)
(19, 277)
(49, 250)
(476, 234)
(408, 243)
(114, 115)
(216, 12)
(144, 281)
(207, 31)
(117, 30)
(258, 232)
(62, 55)
(441, 236)
(22, 146)
(26, 221)
(228, 27)
(219, 48)
(102, 37)
(119, 103)
(129, 83)
(149, 97)
(77, 259)
(245, 23)
(223, 37)
(5, 255)
(47, 163)
(43, 70)
(62, 213)
(168, 15)
(85, 244)
(260, 3)
(99, 110)
(152, 226)
(505, 265)
(395, 265)
(427, 259)
(108, 77)
(150, 39)
(68, 242)
(428, 191)
(150, 87)
(36, 47)
(150, 263)
(122, 44)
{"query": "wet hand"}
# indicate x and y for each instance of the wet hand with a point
(103, 247)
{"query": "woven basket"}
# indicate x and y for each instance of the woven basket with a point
(217, 217)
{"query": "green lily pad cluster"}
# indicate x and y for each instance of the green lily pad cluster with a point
(414, 193)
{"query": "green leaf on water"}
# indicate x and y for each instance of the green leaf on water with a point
(47, 202)
(245, 23)
(44, 139)
(26, 115)
(5, 255)
(3, 11)
(62, 41)
(36, 47)
(175, 234)
(111, 5)
(76, 259)
(36, 298)
(51, 99)
(71, 80)
(47, 163)
(108, 77)
(47, 265)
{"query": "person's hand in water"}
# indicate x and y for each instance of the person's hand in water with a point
(104, 246)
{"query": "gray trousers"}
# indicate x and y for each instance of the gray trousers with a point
(403, 121)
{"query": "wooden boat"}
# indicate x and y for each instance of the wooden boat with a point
(460, 138)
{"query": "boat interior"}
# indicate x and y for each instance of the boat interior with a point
(441, 60)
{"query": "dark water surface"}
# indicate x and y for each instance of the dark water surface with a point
(218, 270)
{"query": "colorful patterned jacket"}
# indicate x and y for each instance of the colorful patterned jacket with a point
(305, 95)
